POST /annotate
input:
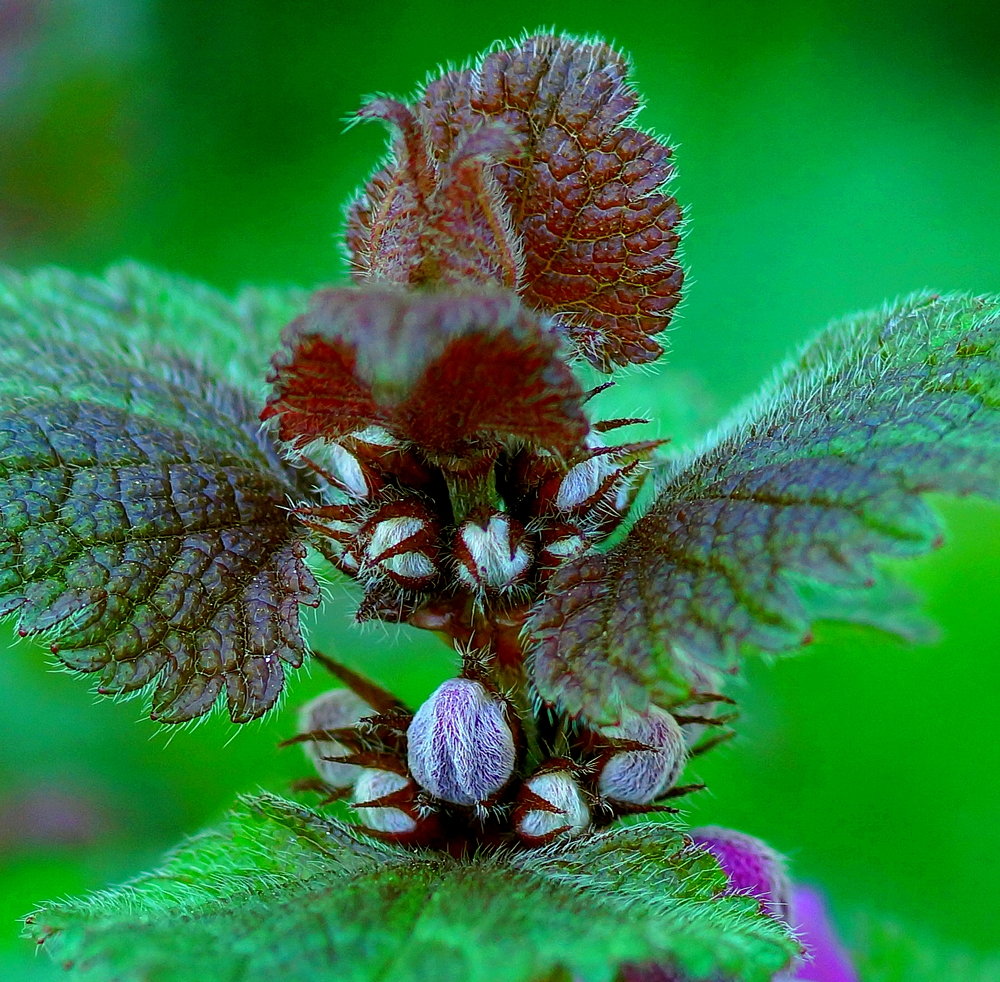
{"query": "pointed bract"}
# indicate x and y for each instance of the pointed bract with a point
(550, 804)
(372, 785)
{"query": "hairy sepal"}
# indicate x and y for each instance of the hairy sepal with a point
(781, 517)
(145, 531)
(279, 891)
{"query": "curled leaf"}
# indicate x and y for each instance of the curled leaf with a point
(780, 517)
(145, 532)
(524, 170)
(442, 370)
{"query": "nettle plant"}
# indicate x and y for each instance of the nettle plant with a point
(426, 430)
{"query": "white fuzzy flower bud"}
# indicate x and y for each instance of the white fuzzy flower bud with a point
(597, 492)
(373, 784)
(461, 747)
(399, 542)
(548, 804)
(560, 544)
(639, 777)
(332, 710)
(494, 555)
(340, 466)
(376, 437)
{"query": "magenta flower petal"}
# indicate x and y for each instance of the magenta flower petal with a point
(826, 960)
(752, 866)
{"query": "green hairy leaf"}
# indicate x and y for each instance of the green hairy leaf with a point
(279, 892)
(779, 518)
(145, 532)
(134, 309)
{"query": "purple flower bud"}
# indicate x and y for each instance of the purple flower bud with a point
(639, 777)
(373, 784)
(753, 868)
(461, 747)
(331, 711)
(494, 555)
(550, 803)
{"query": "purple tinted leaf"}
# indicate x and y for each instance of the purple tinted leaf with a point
(145, 532)
(779, 520)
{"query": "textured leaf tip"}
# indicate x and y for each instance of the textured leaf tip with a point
(525, 171)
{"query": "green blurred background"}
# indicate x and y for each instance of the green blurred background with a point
(831, 155)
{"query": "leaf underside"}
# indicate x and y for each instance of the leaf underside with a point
(780, 518)
(145, 533)
(280, 892)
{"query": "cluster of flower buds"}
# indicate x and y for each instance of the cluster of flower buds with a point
(394, 522)
(454, 460)
(460, 770)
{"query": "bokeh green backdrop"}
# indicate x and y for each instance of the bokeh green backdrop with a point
(831, 155)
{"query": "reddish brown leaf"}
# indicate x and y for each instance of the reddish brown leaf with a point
(423, 221)
(524, 171)
(442, 370)
(321, 395)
